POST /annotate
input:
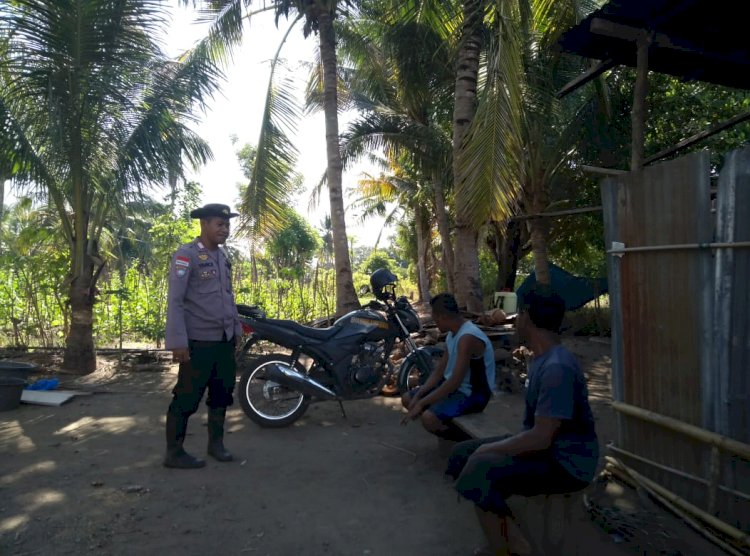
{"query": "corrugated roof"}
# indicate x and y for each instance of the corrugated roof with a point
(692, 39)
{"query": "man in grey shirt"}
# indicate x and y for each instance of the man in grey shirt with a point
(557, 451)
(202, 329)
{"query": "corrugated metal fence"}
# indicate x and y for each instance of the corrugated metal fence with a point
(681, 323)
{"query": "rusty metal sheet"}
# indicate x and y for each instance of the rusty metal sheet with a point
(663, 324)
(662, 291)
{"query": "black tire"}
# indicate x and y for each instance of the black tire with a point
(262, 407)
(417, 368)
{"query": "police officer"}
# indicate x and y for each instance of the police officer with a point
(202, 328)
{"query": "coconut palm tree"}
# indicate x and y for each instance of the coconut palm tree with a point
(412, 200)
(275, 155)
(92, 113)
(510, 135)
(463, 25)
(468, 289)
(399, 74)
(522, 137)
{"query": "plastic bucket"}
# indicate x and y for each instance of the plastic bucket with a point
(16, 369)
(10, 392)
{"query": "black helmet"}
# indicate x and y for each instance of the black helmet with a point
(379, 280)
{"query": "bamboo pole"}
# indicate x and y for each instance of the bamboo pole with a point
(31, 349)
(676, 505)
(727, 444)
(600, 170)
(714, 474)
(567, 212)
(612, 448)
(680, 247)
(700, 136)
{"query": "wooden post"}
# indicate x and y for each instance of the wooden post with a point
(638, 114)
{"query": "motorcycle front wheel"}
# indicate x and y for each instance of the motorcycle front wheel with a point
(264, 401)
(415, 370)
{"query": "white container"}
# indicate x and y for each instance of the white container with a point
(507, 301)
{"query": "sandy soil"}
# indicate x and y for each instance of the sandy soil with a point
(87, 477)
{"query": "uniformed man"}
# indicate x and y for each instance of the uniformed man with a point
(202, 328)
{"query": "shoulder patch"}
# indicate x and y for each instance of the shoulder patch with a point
(181, 265)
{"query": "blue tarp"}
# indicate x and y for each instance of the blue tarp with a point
(576, 291)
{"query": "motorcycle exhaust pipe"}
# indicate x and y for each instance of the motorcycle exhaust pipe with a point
(295, 380)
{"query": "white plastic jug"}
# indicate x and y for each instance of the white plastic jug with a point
(507, 301)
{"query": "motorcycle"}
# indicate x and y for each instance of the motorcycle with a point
(349, 360)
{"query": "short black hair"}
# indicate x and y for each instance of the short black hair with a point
(545, 308)
(444, 304)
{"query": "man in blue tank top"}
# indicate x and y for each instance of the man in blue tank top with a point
(463, 380)
(557, 451)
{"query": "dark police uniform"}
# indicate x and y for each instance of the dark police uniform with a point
(201, 316)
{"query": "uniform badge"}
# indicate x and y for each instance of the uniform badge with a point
(181, 265)
(203, 256)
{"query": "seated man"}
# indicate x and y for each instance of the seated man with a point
(461, 382)
(558, 450)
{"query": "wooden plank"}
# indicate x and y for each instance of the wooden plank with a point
(489, 422)
(592, 73)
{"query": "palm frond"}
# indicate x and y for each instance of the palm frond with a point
(491, 166)
(441, 15)
(276, 156)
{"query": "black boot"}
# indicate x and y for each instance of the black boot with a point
(216, 448)
(176, 456)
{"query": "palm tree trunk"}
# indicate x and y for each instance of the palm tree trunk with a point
(444, 230)
(79, 345)
(2, 196)
(422, 278)
(346, 297)
(467, 287)
(506, 246)
(538, 229)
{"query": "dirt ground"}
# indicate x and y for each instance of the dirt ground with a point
(86, 477)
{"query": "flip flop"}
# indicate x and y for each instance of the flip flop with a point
(486, 551)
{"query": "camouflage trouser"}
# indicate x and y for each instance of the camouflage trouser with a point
(212, 365)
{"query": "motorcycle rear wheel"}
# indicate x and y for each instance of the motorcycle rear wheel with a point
(265, 402)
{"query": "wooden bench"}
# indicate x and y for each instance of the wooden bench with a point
(548, 514)
(490, 422)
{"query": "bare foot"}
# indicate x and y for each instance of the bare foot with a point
(517, 542)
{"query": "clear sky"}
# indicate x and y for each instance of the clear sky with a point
(237, 109)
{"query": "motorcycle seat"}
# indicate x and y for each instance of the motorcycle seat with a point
(321, 334)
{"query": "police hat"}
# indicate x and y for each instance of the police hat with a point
(213, 209)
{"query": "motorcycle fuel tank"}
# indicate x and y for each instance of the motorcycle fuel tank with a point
(370, 323)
